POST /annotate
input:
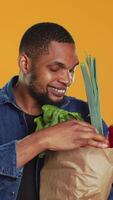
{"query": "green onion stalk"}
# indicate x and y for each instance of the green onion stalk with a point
(92, 92)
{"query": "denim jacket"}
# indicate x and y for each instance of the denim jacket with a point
(13, 127)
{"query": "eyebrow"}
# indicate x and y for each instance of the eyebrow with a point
(60, 64)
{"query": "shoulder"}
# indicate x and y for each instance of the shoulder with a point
(77, 105)
(80, 106)
(6, 94)
(76, 101)
(2, 94)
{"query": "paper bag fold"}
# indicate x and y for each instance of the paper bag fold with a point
(81, 174)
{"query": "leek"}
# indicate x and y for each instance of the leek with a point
(90, 79)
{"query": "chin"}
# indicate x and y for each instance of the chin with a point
(52, 101)
(55, 101)
(45, 98)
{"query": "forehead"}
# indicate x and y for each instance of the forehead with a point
(60, 52)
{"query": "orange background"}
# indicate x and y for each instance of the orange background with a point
(91, 24)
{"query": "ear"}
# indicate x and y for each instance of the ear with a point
(24, 63)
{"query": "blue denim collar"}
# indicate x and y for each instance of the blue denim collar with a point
(7, 96)
(6, 93)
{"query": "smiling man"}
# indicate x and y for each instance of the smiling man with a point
(55, 67)
(47, 60)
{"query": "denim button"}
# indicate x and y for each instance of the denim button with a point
(12, 193)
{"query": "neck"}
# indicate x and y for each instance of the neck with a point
(24, 100)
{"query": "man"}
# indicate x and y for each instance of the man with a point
(47, 60)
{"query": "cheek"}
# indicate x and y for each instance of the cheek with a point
(43, 80)
(46, 77)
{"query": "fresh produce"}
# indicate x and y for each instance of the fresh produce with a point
(53, 115)
(90, 80)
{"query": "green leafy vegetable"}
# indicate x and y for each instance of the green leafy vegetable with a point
(53, 115)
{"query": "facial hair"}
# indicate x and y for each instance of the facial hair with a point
(42, 98)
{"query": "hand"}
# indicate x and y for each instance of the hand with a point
(63, 136)
(71, 135)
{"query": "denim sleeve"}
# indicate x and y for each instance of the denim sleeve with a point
(8, 160)
(105, 128)
(111, 195)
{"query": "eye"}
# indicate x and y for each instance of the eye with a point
(72, 71)
(54, 68)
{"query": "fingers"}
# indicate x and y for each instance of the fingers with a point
(90, 132)
(90, 142)
(84, 125)
(93, 139)
(97, 144)
(94, 136)
(100, 138)
(80, 134)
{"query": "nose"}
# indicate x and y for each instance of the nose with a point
(66, 78)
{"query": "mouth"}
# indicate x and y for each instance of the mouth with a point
(59, 92)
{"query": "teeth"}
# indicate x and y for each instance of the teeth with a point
(59, 90)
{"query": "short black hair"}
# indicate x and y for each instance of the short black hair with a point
(37, 38)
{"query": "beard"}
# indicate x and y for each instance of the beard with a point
(41, 98)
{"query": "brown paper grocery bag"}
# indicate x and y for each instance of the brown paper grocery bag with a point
(81, 174)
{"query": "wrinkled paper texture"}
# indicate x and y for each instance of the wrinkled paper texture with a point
(81, 174)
